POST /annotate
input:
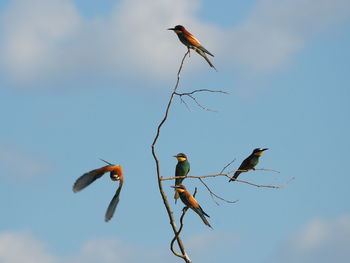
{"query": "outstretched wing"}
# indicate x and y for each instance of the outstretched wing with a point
(114, 202)
(89, 177)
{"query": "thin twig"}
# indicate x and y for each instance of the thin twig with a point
(266, 186)
(227, 165)
(214, 175)
(190, 95)
(228, 176)
(215, 195)
(183, 255)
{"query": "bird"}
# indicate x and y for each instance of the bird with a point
(191, 202)
(182, 169)
(190, 41)
(249, 163)
(115, 173)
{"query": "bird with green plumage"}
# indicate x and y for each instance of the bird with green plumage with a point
(182, 169)
(249, 163)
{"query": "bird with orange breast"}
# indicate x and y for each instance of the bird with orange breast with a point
(191, 202)
(115, 173)
(190, 41)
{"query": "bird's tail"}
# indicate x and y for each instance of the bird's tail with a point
(176, 196)
(200, 52)
(205, 221)
(203, 214)
(234, 177)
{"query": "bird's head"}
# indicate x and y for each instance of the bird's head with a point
(259, 151)
(181, 157)
(179, 188)
(117, 173)
(177, 29)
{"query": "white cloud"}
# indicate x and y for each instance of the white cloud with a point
(43, 38)
(320, 241)
(21, 247)
(15, 163)
(33, 34)
(277, 29)
(18, 247)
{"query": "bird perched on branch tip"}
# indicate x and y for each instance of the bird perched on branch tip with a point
(191, 42)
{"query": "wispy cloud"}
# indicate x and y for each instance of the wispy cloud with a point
(277, 29)
(319, 241)
(101, 250)
(45, 38)
(22, 247)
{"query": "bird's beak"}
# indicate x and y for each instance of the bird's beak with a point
(264, 149)
(176, 186)
(171, 29)
(175, 156)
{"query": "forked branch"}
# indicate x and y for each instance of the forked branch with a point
(237, 180)
(183, 254)
(190, 95)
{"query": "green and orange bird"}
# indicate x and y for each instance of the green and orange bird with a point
(249, 163)
(182, 169)
(192, 203)
(190, 41)
(115, 173)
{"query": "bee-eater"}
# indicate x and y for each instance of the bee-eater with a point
(189, 201)
(249, 163)
(115, 173)
(182, 169)
(190, 41)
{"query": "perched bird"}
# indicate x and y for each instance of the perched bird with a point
(189, 201)
(182, 169)
(115, 173)
(190, 41)
(249, 163)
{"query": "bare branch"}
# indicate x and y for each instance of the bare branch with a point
(267, 186)
(215, 195)
(227, 165)
(228, 176)
(183, 255)
(190, 95)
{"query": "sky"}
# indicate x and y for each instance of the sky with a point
(83, 80)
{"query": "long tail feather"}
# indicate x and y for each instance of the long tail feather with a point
(200, 52)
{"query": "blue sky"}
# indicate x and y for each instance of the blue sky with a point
(82, 80)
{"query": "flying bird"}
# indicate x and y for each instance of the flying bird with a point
(189, 201)
(190, 41)
(249, 163)
(115, 173)
(182, 169)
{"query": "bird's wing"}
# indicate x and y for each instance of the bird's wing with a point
(202, 215)
(243, 166)
(192, 201)
(89, 177)
(193, 40)
(114, 202)
(205, 50)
